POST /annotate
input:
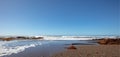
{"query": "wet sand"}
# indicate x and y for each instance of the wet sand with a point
(91, 51)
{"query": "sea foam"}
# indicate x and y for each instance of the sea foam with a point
(5, 50)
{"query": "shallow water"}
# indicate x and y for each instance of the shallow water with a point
(35, 48)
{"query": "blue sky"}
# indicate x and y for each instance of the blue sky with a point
(59, 17)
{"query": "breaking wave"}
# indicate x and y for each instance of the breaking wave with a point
(13, 47)
(74, 37)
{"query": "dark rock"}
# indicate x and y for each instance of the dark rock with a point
(71, 47)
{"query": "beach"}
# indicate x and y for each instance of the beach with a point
(91, 51)
(60, 48)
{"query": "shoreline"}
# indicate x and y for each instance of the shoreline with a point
(68, 49)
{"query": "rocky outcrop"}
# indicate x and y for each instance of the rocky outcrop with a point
(108, 41)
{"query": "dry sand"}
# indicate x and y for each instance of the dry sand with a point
(91, 51)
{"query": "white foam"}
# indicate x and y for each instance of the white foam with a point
(66, 38)
(74, 37)
(13, 50)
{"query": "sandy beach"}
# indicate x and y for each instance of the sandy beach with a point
(91, 51)
(71, 48)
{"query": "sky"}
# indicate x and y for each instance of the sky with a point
(59, 17)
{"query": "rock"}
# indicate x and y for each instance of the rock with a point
(71, 47)
(103, 41)
(7, 39)
(109, 41)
